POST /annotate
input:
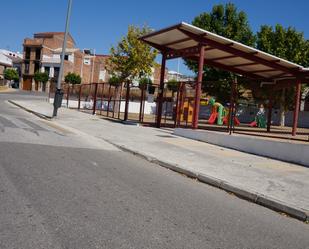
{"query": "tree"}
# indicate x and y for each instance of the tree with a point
(289, 44)
(11, 74)
(115, 81)
(72, 78)
(41, 77)
(132, 58)
(143, 82)
(224, 20)
(173, 85)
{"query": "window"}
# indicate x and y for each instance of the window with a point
(26, 67)
(36, 66)
(87, 61)
(56, 72)
(38, 54)
(47, 70)
(102, 75)
(66, 57)
(27, 53)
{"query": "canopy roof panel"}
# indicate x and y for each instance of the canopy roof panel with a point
(183, 40)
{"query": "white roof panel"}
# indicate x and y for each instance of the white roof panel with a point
(184, 35)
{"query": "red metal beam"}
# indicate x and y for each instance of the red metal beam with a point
(161, 89)
(198, 88)
(246, 64)
(229, 49)
(230, 69)
(177, 41)
(157, 46)
(223, 58)
(172, 54)
(278, 75)
(192, 51)
(264, 70)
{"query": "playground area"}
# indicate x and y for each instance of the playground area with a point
(188, 105)
(109, 101)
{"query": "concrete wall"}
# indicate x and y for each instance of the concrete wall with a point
(281, 150)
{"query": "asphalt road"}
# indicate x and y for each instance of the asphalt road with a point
(59, 189)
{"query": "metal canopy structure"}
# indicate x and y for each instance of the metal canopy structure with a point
(183, 40)
(190, 42)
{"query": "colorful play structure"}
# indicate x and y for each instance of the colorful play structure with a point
(219, 114)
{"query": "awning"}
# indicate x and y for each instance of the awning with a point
(183, 40)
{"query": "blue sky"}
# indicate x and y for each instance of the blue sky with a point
(101, 23)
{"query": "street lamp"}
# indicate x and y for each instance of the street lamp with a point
(59, 92)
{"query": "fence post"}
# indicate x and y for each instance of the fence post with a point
(120, 99)
(95, 98)
(177, 105)
(181, 100)
(68, 95)
(79, 96)
(126, 110)
(141, 104)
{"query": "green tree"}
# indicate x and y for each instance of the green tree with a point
(114, 80)
(132, 58)
(72, 78)
(173, 85)
(143, 82)
(289, 44)
(41, 77)
(11, 74)
(227, 21)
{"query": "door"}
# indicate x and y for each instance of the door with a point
(27, 83)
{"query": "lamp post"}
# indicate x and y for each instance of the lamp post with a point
(59, 92)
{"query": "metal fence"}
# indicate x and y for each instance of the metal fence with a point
(132, 103)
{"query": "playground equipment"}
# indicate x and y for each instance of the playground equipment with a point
(260, 120)
(220, 114)
(217, 112)
(227, 116)
(187, 111)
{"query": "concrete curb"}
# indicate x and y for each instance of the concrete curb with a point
(248, 195)
(33, 112)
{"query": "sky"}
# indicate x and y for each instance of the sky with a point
(99, 24)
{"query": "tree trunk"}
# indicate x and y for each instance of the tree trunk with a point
(282, 108)
(117, 98)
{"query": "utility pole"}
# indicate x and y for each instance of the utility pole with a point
(59, 92)
(92, 68)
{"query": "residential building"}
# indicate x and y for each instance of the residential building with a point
(43, 53)
(9, 59)
(156, 72)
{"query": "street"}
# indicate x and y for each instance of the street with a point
(60, 189)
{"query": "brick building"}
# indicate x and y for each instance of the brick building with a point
(43, 53)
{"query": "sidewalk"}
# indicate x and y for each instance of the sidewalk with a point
(275, 184)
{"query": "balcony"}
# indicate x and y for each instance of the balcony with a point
(32, 42)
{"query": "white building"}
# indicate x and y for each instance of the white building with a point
(173, 75)
(9, 59)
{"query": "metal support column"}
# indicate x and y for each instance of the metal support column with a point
(297, 104)
(161, 89)
(232, 107)
(198, 88)
(270, 108)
